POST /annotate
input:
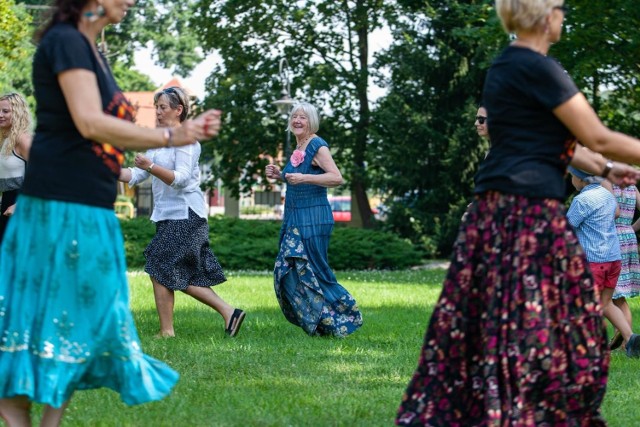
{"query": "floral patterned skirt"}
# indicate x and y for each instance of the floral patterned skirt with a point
(311, 299)
(517, 337)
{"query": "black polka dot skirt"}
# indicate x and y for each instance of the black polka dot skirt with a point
(179, 254)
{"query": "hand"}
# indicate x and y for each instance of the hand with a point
(294, 178)
(142, 162)
(9, 210)
(205, 126)
(272, 172)
(623, 174)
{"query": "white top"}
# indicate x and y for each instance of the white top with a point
(11, 170)
(173, 201)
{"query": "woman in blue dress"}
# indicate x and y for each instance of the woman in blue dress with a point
(306, 288)
(65, 322)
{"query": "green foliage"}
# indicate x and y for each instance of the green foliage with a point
(356, 248)
(437, 66)
(325, 44)
(137, 233)
(16, 50)
(599, 49)
(253, 245)
(437, 63)
(161, 25)
(130, 80)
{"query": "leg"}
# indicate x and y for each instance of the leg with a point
(164, 304)
(613, 313)
(209, 297)
(51, 417)
(16, 411)
(622, 304)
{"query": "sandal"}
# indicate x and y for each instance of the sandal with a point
(616, 341)
(235, 322)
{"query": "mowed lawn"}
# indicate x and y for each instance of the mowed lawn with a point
(273, 374)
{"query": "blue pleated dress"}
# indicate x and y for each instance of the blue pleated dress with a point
(65, 322)
(305, 286)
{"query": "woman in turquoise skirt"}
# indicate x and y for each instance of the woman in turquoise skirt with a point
(306, 288)
(65, 322)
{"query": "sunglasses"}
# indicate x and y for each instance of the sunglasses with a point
(171, 91)
(563, 8)
(481, 119)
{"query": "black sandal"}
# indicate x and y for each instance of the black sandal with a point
(616, 341)
(235, 322)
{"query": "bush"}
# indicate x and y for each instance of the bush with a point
(253, 245)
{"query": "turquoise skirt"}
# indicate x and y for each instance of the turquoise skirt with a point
(65, 322)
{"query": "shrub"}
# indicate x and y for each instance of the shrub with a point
(243, 244)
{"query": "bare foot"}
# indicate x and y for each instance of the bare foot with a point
(165, 334)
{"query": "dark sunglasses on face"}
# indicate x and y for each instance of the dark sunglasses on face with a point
(481, 119)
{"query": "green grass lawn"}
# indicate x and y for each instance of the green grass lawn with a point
(273, 374)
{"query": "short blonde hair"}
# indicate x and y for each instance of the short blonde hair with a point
(20, 120)
(518, 15)
(310, 111)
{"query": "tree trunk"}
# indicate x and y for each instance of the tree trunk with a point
(360, 208)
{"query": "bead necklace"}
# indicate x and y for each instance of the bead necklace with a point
(301, 144)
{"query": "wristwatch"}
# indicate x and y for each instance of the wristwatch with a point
(607, 168)
(150, 167)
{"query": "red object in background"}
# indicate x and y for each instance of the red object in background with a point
(341, 208)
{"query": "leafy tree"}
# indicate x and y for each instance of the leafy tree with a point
(326, 45)
(600, 49)
(130, 80)
(427, 149)
(159, 24)
(16, 49)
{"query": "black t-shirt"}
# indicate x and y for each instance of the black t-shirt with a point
(62, 164)
(530, 147)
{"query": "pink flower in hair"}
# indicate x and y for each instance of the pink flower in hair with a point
(297, 157)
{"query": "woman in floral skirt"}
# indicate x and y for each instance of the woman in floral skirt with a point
(306, 288)
(517, 336)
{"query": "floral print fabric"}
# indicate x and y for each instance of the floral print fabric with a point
(305, 285)
(302, 299)
(517, 337)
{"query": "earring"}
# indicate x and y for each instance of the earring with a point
(94, 16)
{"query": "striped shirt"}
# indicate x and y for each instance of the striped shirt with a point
(592, 213)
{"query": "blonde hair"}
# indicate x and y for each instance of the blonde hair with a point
(20, 121)
(518, 15)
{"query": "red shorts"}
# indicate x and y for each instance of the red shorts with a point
(605, 274)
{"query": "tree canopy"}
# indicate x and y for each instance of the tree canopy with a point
(415, 146)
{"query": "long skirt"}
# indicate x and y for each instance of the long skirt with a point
(517, 337)
(65, 322)
(309, 295)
